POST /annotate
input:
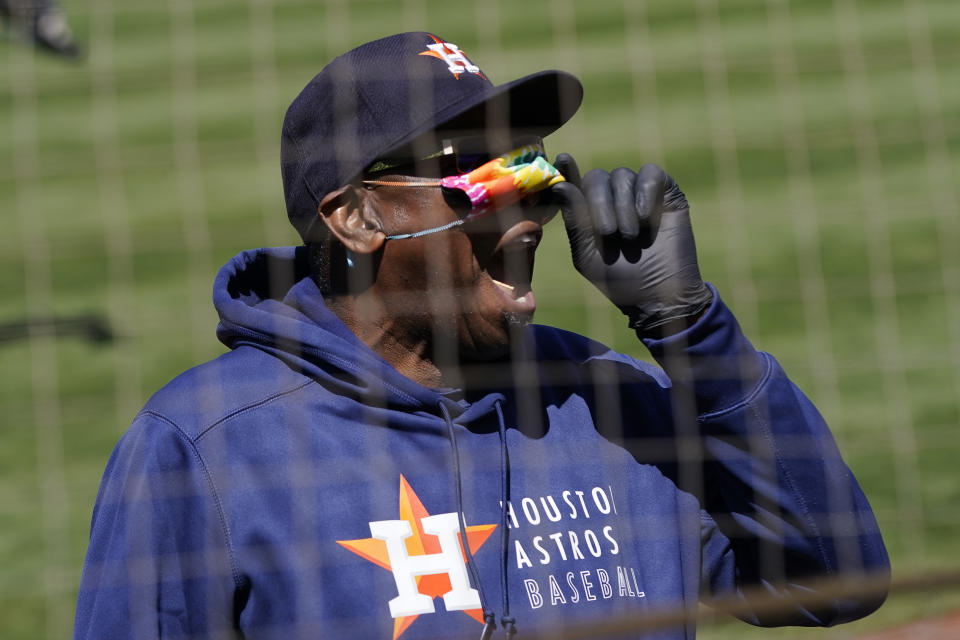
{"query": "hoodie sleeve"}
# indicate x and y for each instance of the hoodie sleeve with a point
(784, 514)
(158, 563)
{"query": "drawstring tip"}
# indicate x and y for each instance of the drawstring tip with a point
(508, 626)
(488, 628)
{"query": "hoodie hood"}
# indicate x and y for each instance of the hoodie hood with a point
(266, 298)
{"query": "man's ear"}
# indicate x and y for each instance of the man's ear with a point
(351, 220)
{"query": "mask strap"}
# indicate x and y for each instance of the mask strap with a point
(426, 232)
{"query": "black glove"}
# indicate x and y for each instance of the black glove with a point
(630, 235)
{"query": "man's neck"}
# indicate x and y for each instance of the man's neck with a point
(409, 350)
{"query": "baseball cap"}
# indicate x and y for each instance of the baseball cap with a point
(403, 93)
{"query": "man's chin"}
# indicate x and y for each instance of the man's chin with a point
(516, 321)
(493, 351)
(513, 325)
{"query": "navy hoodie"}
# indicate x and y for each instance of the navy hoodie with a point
(299, 487)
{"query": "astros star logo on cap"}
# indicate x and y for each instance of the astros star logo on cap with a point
(457, 61)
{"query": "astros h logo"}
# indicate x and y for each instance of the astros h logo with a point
(427, 559)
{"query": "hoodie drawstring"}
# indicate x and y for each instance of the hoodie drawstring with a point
(489, 617)
(508, 622)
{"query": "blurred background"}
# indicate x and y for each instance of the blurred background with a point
(817, 141)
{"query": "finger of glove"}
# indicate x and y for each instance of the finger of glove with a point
(648, 194)
(624, 204)
(576, 217)
(599, 195)
(568, 168)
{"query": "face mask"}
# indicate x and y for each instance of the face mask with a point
(505, 180)
(492, 186)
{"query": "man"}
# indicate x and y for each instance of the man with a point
(391, 450)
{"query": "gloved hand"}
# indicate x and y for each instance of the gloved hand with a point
(630, 235)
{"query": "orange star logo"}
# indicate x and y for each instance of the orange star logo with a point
(453, 56)
(420, 543)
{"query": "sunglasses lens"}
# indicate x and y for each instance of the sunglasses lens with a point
(464, 155)
(467, 162)
(473, 152)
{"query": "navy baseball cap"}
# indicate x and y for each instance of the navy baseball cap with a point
(402, 93)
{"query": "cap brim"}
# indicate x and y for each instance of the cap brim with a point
(538, 104)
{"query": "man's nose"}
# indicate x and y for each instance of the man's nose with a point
(538, 207)
(530, 208)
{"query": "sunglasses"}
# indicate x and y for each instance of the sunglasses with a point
(465, 170)
(456, 157)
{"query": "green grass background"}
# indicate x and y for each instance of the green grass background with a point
(817, 141)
